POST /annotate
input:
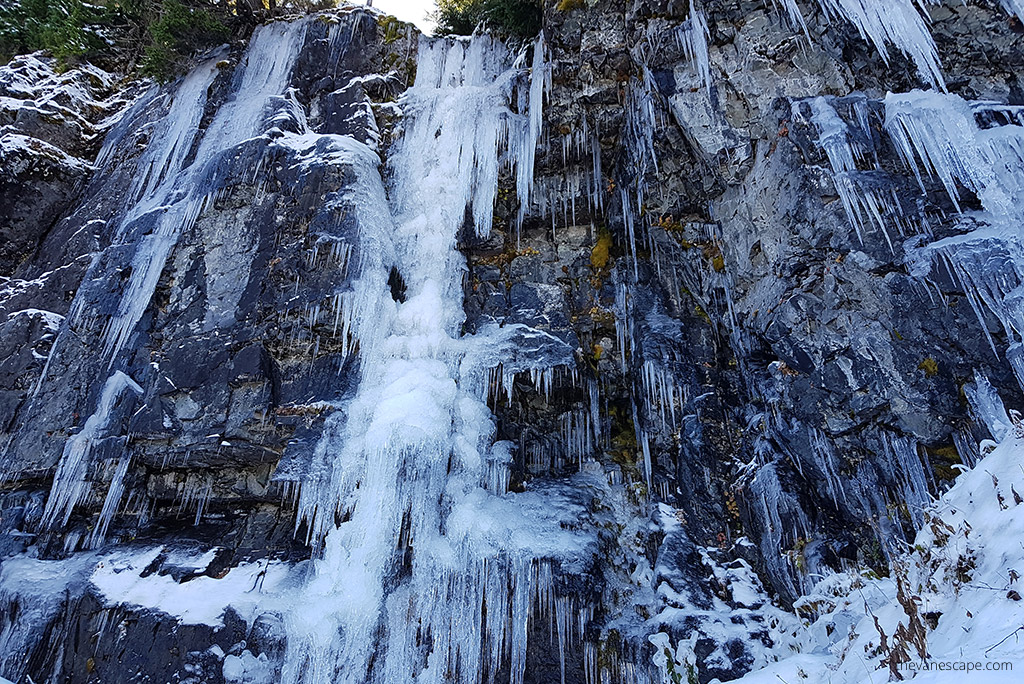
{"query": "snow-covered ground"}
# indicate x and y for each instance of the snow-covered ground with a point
(953, 597)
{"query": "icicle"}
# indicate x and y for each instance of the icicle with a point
(693, 39)
(623, 323)
(525, 152)
(643, 440)
(661, 394)
(1014, 7)
(196, 491)
(966, 448)
(907, 469)
(576, 434)
(595, 412)
(796, 17)
(69, 483)
(825, 459)
(111, 502)
(897, 22)
(942, 131)
(640, 127)
(773, 506)
(987, 407)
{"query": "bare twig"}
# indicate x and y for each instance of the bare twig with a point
(1004, 638)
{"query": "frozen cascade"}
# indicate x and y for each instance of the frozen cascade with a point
(897, 22)
(939, 135)
(778, 506)
(430, 576)
(168, 199)
(173, 196)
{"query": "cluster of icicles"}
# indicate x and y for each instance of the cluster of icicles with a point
(969, 147)
(434, 572)
(902, 24)
(426, 568)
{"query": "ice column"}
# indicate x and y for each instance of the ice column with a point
(425, 575)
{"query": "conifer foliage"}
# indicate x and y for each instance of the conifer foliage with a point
(520, 18)
(157, 36)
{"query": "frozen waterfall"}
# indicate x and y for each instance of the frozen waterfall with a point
(434, 570)
(179, 175)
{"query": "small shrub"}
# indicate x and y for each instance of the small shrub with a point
(179, 31)
(66, 28)
(519, 18)
(929, 366)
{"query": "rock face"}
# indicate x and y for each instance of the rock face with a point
(740, 320)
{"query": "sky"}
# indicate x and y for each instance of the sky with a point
(409, 10)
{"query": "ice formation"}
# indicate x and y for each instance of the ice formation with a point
(898, 23)
(427, 569)
(406, 498)
(408, 465)
(693, 37)
(939, 135)
(849, 151)
(976, 151)
(169, 193)
(70, 484)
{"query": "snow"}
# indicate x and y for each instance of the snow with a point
(963, 566)
(34, 82)
(16, 150)
(51, 320)
(248, 669)
(120, 579)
